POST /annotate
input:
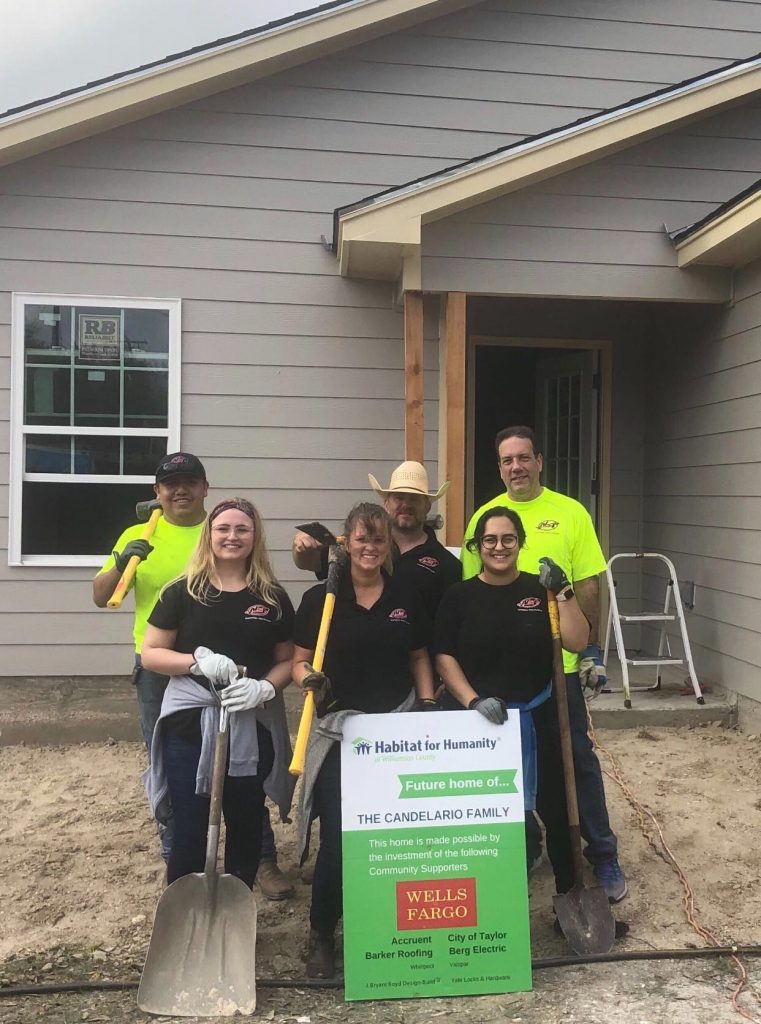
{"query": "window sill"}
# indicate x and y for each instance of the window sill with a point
(73, 561)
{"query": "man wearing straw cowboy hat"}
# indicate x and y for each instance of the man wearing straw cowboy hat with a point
(419, 557)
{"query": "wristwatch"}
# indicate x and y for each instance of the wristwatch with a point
(566, 593)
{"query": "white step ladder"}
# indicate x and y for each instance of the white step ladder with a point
(664, 655)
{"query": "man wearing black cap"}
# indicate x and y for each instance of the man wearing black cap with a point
(181, 487)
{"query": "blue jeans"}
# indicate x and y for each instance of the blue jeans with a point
(242, 806)
(593, 811)
(149, 689)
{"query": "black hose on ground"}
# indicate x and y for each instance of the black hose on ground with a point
(704, 952)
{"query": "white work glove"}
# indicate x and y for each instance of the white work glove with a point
(246, 694)
(592, 673)
(218, 668)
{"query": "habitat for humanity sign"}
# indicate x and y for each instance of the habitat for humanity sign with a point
(434, 856)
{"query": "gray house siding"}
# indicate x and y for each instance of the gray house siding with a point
(292, 377)
(702, 493)
(598, 231)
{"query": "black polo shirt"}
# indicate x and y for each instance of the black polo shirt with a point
(499, 635)
(368, 650)
(240, 624)
(429, 569)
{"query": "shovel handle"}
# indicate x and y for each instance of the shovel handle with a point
(566, 747)
(217, 786)
(125, 581)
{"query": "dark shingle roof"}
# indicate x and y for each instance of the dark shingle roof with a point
(239, 36)
(681, 234)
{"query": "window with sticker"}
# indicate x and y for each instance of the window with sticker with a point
(94, 406)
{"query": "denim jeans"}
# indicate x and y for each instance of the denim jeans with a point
(242, 806)
(593, 812)
(149, 689)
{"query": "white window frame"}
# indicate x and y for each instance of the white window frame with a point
(18, 431)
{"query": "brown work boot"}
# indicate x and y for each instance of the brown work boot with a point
(321, 955)
(272, 882)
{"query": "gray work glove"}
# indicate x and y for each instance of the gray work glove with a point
(551, 576)
(321, 689)
(592, 673)
(492, 708)
(245, 693)
(141, 548)
(218, 668)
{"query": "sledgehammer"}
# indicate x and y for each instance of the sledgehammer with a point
(144, 510)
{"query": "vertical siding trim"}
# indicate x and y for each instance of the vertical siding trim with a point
(453, 411)
(413, 376)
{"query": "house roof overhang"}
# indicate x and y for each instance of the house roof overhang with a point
(729, 236)
(205, 70)
(380, 237)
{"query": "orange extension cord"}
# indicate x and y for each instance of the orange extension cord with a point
(661, 848)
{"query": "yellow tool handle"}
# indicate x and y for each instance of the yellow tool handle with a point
(120, 591)
(305, 725)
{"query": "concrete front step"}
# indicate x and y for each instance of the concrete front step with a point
(46, 711)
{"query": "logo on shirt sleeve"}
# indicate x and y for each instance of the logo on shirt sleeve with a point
(257, 611)
(547, 525)
(529, 604)
(398, 615)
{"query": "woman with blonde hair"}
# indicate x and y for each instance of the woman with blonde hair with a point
(376, 661)
(223, 634)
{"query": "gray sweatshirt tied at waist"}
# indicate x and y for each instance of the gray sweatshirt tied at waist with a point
(183, 693)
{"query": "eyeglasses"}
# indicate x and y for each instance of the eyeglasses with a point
(507, 540)
(224, 530)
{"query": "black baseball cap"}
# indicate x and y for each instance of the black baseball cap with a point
(179, 463)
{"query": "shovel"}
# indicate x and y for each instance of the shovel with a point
(202, 957)
(584, 915)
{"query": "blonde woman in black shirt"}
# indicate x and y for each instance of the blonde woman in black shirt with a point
(376, 661)
(228, 611)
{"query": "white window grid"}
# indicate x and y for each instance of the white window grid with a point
(19, 431)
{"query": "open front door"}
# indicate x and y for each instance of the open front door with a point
(566, 419)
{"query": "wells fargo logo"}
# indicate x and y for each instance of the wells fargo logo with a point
(421, 905)
(547, 524)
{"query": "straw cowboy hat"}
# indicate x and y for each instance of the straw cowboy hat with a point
(409, 478)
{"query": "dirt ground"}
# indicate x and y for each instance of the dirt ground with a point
(81, 877)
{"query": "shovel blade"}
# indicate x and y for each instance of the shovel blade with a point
(586, 919)
(201, 960)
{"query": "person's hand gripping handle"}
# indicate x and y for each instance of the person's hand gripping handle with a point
(336, 561)
(121, 588)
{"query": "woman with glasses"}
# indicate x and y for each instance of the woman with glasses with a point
(376, 661)
(493, 650)
(223, 634)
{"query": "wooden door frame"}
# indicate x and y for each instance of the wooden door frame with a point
(467, 374)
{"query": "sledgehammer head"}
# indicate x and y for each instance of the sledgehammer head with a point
(143, 509)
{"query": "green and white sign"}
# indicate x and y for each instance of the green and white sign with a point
(434, 856)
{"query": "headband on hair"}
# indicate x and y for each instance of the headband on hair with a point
(240, 503)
